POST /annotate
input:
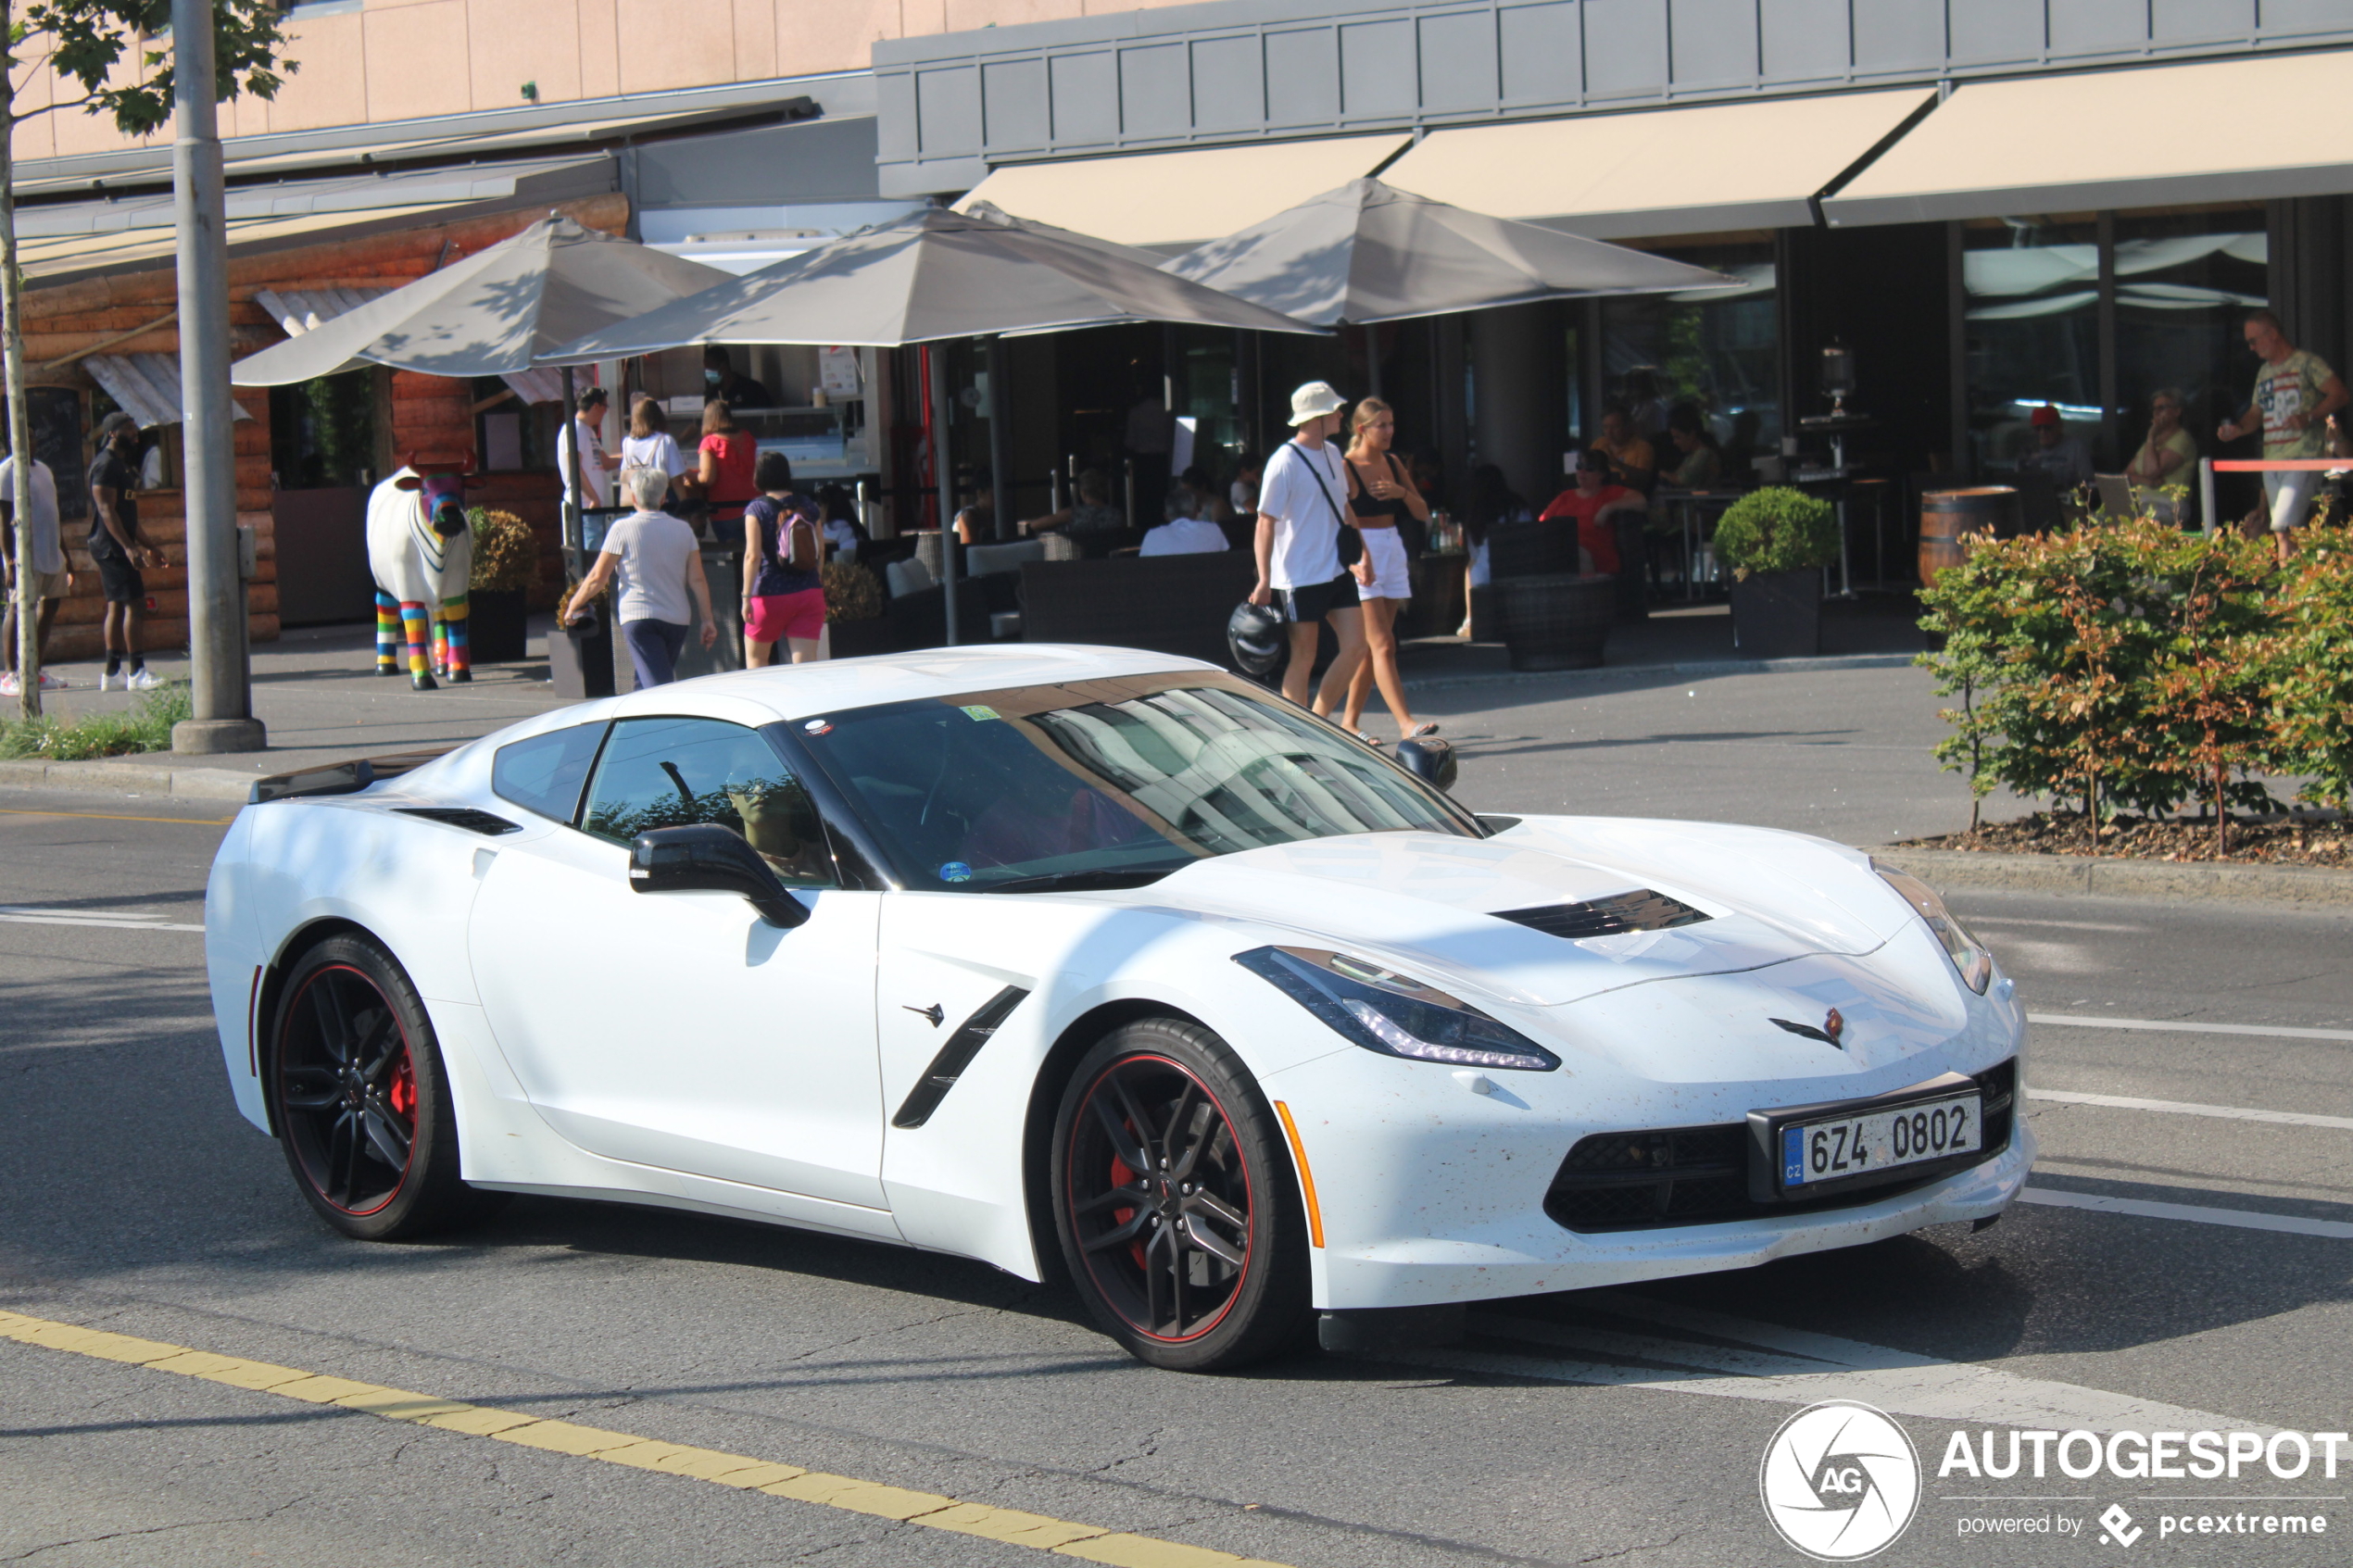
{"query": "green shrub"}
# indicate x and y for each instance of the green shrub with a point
(2311, 670)
(1777, 529)
(147, 727)
(852, 593)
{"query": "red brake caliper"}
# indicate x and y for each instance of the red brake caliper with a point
(402, 1095)
(1120, 1176)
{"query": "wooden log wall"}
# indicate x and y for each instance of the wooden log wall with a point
(428, 412)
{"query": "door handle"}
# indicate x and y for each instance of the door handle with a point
(935, 1013)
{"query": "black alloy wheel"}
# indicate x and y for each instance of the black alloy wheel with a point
(1175, 1197)
(359, 1098)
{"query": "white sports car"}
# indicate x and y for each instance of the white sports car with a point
(1087, 962)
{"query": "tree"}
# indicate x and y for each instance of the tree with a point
(89, 43)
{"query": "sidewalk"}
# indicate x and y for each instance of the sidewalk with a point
(317, 690)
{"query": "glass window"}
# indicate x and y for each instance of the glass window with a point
(1124, 777)
(2184, 283)
(323, 433)
(670, 772)
(2033, 288)
(544, 774)
(1716, 350)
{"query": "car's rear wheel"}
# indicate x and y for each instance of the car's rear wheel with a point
(361, 1105)
(1174, 1200)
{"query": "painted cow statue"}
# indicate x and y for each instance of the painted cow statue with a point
(421, 551)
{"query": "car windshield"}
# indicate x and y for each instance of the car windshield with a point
(1106, 783)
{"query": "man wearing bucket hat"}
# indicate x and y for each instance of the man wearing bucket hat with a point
(1298, 546)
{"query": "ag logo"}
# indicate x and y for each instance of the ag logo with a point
(1840, 1481)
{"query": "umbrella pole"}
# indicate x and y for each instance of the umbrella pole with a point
(1000, 415)
(1372, 358)
(575, 535)
(938, 367)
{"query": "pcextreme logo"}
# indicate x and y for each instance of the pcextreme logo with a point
(1841, 1481)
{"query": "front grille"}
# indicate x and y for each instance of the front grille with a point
(1642, 909)
(1699, 1175)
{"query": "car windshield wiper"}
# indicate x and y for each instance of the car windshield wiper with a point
(1074, 882)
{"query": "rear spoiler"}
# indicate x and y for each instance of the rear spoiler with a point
(342, 778)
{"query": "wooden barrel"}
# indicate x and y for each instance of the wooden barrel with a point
(1945, 515)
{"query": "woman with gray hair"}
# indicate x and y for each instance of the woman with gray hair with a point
(659, 567)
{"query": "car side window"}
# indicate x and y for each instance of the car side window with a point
(545, 773)
(669, 773)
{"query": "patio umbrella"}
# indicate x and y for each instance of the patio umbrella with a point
(933, 275)
(493, 313)
(1368, 252)
(929, 276)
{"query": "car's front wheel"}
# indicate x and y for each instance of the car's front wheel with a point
(1176, 1203)
(358, 1097)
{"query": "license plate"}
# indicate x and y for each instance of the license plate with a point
(1836, 1148)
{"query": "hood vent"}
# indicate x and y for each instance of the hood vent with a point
(1642, 909)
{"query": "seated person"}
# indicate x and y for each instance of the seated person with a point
(2167, 457)
(1631, 461)
(1092, 513)
(1700, 462)
(2055, 453)
(1596, 499)
(1185, 533)
(843, 534)
(977, 525)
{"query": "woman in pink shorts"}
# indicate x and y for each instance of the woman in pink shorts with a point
(784, 595)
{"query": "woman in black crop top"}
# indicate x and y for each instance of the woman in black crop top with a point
(1381, 495)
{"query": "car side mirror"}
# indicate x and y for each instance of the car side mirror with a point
(1430, 759)
(706, 857)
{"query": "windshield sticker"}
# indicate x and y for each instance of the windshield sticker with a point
(976, 712)
(955, 870)
(819, 726)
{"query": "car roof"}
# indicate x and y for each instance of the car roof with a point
(801, 690)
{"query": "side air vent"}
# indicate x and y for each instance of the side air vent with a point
(1613, 916)
(463, 817)
(954, 1057)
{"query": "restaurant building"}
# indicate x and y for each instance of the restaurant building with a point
(1991, 204)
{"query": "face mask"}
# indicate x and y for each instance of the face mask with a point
(711, 378)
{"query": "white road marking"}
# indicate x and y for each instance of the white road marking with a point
(1768, 1363)
(2053, 924)
(2242, 1219)
(2185, 1108)
(2077, 1021)
(15, 915)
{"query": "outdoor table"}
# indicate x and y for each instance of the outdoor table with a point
(1441, 592)
(1692, 510)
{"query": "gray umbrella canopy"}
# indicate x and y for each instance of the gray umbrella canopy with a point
(1368, 252)
(930, 276)
(493, 313)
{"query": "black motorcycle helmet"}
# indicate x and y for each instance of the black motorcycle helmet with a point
(1255, 636)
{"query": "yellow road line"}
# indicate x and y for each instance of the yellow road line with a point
(119, 817)
(929, 1510)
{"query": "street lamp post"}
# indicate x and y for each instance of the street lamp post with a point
(219, 677)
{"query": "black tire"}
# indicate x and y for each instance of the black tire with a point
(360, 1102)
(1205, 1269)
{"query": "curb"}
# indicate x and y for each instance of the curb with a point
(1696, 668)
(2120, 879)
(188, 783)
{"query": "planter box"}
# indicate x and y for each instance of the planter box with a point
(497, 626)
(855, 639)
(1557, 620)
(580, 664)
(1779, 614)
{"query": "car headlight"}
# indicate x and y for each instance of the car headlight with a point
(1969, 955)
(1383, 1011)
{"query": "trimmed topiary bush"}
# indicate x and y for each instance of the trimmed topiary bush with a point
(1776, 528)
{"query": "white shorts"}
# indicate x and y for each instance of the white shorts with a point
(1387, 552)
(2290, 494)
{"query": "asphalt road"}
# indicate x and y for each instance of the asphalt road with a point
(1607, 1426)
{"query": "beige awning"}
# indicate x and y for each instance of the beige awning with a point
(1703, 169)
(2237, 130)
(1173, 200)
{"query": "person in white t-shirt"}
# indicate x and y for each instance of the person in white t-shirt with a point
(596, 465)
(1183, 534)
(51, 581)
(654, 563)
(1298, 546)
(650, 443)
